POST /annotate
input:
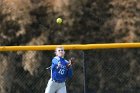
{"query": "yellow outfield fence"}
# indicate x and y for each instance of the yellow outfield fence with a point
(71, 46)
(98, 68)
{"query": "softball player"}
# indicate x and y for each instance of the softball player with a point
(60, 70)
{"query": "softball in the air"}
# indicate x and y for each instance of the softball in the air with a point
(59, 20)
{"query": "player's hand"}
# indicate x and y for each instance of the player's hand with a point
(71, 62)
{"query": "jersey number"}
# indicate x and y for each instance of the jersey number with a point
(61, 71)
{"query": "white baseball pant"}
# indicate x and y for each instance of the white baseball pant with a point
(54, 87)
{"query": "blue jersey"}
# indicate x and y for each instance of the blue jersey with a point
(60, 73)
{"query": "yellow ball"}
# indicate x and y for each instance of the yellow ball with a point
(59, 20)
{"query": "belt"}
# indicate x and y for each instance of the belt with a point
(57, 81)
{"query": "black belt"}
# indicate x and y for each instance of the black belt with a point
(57, 81)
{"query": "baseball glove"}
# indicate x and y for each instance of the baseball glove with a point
(71, 62)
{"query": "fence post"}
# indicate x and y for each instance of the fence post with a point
(84, 71)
